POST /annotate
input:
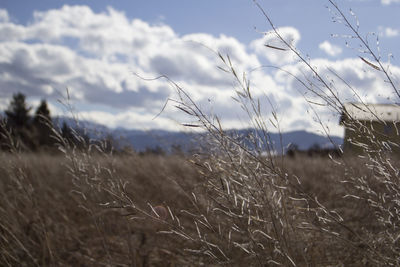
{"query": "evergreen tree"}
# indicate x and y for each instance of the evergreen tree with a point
(42, 114)
(43, 125)
(3, 134)
(18, 122)
(17, 112)
(68, 134)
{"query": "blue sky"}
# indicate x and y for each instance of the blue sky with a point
(92, 48)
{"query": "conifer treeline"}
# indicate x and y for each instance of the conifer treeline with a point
(21, 130)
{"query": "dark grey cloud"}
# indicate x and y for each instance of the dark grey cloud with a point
(143, 97)
(187, 67)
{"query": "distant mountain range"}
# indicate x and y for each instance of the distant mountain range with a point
(167, 141)
(141, 140)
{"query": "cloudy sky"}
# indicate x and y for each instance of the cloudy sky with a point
(93, 48)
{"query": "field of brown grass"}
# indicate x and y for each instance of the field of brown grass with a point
(51, 217)
(47, 218)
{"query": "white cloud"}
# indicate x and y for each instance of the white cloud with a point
(390, 32)
(4, 15)
(276, 56)
(330, 49)
(388, 2)
(94, 55)
(366, 84)
(130, 119)
(4, 103)
(35, 68)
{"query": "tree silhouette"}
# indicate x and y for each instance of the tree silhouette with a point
(43, 125)
(19, 122)
(3, 134)
(17, 112)
(75, 137)
(42, 114)
(66, 132)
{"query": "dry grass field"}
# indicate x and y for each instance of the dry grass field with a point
(68, 211)
(48, 220)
